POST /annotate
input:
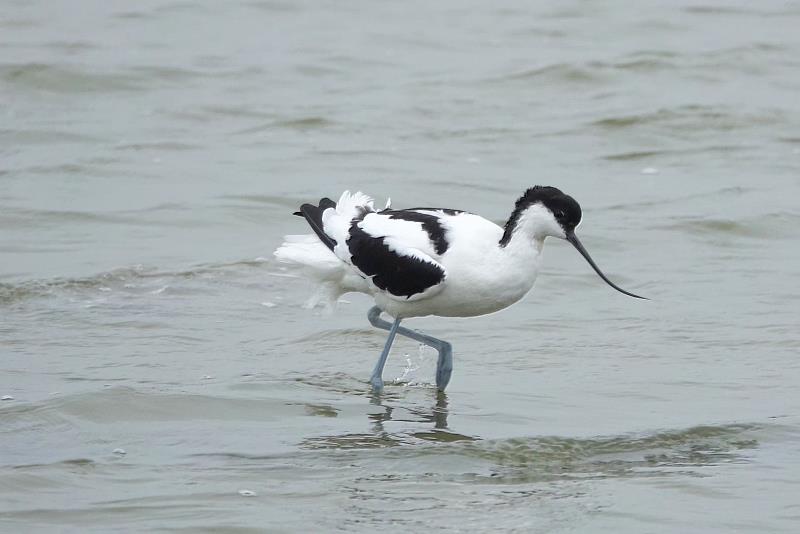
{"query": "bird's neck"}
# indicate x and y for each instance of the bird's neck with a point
(522, 245)
(517, 264)
(526, 226)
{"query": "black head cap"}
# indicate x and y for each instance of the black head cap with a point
(564, 208)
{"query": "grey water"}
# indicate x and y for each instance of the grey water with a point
(160, 373)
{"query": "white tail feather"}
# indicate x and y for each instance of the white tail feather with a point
(309, 254)
(317, 262)
(337, 222)
(349, 204)
(314, 261)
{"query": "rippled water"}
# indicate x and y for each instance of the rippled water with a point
(158, 368)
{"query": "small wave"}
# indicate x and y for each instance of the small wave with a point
(82, 464)
(142, 217)
(557, 72)
(66, 78)
(717, 194)
(158, 145)
(17, 23)
(643, 65)
(524, 460)
(527, 451)
(299, 124)
(318, 71)
(536, 459)
(237, 112)
(323, 335)
(738, 11)
(761, 227)
(170, 74)
(691, 118)
(480, 134)
(648, 154)
(342, 383)
(593, 71)
(43, 137)
(11, 293)
(32, 218)
(750, 57)
(133, 15)
(791, 140)
(636, 155)
(304, 123)
(70, 46)
(626, 121)
(62, 79)
(351, 153)
(65, 169)
(719, 10)
(274, 6)
(354, 441)
(119, 404)
(270, 200)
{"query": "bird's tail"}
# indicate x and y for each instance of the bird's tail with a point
(313, 215)
(312, 256)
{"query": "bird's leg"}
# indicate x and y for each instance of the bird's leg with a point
(377, 373)
(444, 365)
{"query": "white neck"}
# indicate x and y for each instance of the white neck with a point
(523, 251)
(513, 267)
(524, 244)
(535, 223)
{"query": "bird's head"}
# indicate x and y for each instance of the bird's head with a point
(544, 211)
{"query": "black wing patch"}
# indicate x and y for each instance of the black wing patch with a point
(402, 276)
(430, 223)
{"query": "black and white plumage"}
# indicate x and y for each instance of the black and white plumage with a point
(431, 261)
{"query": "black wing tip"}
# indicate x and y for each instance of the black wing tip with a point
(313, 215)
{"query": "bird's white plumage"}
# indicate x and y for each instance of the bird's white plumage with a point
(479, 275)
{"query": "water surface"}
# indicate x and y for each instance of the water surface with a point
(165, 377)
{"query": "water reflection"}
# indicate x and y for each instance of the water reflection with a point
(686, 452)
(525, 460)
(428, 422)
(411, 423)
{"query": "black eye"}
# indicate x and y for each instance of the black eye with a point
(561, 214)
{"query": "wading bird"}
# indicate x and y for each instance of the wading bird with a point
(430, 261)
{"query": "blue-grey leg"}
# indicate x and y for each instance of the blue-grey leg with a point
(377, 373)
(444, 365)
